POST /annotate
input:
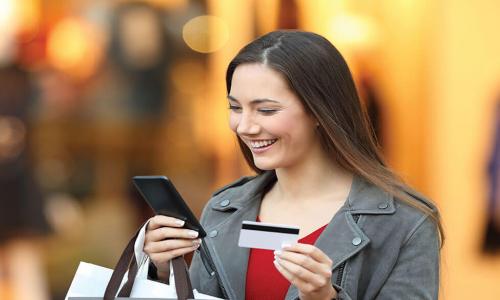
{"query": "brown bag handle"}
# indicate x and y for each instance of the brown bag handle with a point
(128, 262)
(183, 286)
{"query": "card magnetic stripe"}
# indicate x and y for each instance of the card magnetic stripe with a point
(270, 228)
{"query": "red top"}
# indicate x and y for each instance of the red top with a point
(264, 281)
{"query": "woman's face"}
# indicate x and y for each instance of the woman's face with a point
(269, 118)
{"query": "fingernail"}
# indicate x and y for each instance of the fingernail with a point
(276, 264)
(285, 246)
(277, 252)
(277, 259)
(196, 246)
(179, 222)
(193, 233)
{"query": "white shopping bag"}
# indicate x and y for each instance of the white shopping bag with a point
(91, 281)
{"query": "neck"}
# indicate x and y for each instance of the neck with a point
(317, 178)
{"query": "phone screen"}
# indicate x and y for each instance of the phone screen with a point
(162, 196)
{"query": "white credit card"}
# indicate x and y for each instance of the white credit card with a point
(266, 235)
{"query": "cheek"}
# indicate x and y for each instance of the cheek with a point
(280, 128)
(290, 125)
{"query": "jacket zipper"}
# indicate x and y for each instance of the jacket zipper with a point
(211, 267)
(204, 260)
(342, 266)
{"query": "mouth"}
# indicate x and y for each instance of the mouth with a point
(261, 144)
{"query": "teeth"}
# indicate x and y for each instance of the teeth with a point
(261, 144)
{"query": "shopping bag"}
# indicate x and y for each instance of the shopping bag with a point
(96, 282)
(90, 282)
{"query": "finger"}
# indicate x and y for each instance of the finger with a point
(305, 261)
(310, 250)
(160, 221)
(167, 245)
(300, 275)
(163, 257)
(293, 279)
(169, 233)
(285, 273)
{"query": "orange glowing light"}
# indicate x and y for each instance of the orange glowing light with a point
(74, 47)
(19, 16)
(7, 12)
(29, 15)
(206, 34)
(7, 29)
(353, 31)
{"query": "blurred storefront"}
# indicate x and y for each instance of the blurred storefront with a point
(122, 88)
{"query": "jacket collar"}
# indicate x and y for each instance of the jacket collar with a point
(363, 198)
(340, 240)
(367, 199)
(239, 196)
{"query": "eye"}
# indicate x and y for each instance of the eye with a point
(234, 108)
(267, 111)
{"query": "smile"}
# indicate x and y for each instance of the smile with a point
(262, 143)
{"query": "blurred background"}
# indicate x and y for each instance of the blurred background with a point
(93, 92)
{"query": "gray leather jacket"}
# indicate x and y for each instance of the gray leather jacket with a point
(381, 248)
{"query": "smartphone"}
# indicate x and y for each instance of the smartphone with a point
(162, 196)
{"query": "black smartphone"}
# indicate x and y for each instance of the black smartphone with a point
(162, 196)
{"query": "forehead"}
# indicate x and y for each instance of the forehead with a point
(251, 81)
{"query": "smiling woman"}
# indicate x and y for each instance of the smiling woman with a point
(364, 234)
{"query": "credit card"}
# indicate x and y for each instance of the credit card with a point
(267, 235)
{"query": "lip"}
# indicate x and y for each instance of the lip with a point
(260, 150)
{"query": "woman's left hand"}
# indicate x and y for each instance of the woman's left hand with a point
(308, 268)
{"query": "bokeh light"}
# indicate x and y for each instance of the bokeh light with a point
(7, 29)
(7, 10)
(69, 224)
(74, 47)
(12, 137)
(29, 14)
(353, 32)
(206, 33)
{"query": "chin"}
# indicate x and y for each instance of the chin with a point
(265, 166)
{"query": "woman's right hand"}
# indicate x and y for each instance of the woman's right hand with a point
(166, 239)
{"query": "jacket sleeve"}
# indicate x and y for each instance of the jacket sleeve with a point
(416, 272)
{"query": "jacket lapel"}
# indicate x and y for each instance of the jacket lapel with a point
(339, 241)
(231, 261)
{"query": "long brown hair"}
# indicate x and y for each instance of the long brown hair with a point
(318, 74)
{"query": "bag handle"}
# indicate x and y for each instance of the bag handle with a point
(128, 262)
(120, 269)
(183, 286)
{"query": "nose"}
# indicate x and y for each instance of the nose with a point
(247, 125)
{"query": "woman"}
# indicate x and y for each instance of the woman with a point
(364, 233)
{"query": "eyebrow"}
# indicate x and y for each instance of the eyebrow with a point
(254, 101)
